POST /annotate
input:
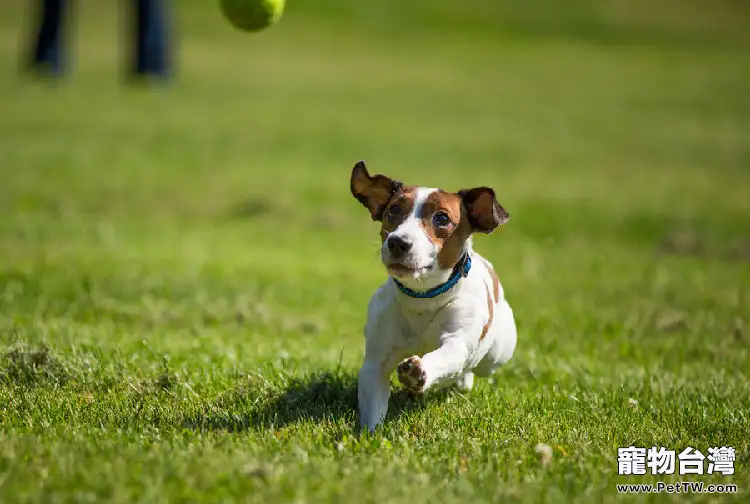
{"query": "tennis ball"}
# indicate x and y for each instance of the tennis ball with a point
(252, 15)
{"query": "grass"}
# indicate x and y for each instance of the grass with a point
(184, 273)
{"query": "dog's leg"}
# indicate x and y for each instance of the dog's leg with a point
(435, 368)
(373, 391)
(465, 382)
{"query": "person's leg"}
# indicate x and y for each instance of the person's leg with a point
(49, 33)
(152, 38)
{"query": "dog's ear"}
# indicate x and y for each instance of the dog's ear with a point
(484, 212)
(373, 192)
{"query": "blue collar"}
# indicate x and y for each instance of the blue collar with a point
(460, 270)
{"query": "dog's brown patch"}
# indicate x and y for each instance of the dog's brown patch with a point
(491, 308)
(495, 281)
(398, 210)
(449, 239)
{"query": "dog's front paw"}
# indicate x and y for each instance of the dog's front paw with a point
(412, 375)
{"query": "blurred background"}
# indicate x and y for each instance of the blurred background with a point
(616, 133)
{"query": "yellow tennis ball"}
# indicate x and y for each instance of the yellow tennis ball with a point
(252, 15)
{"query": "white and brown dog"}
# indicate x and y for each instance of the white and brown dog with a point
(441, 317)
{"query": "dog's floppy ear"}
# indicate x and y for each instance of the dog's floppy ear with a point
(373, 192)
(484, 212)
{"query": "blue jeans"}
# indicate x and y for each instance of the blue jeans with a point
(151, 48)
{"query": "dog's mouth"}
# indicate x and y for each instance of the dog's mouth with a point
(402, 271)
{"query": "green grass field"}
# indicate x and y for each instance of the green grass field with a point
(184, 274)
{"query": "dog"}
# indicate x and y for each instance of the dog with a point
(441, 318)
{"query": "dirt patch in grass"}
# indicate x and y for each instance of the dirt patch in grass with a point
(33, 367)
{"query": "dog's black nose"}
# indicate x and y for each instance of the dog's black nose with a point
(397, 246)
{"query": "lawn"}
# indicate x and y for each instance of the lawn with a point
(184, 273)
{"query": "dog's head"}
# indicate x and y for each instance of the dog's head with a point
(424, 230)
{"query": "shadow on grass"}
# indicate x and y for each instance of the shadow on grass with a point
(320, 397)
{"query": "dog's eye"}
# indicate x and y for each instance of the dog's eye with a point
(393, 212)
(441, 219)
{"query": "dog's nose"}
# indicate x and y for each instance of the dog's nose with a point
(397, 246)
